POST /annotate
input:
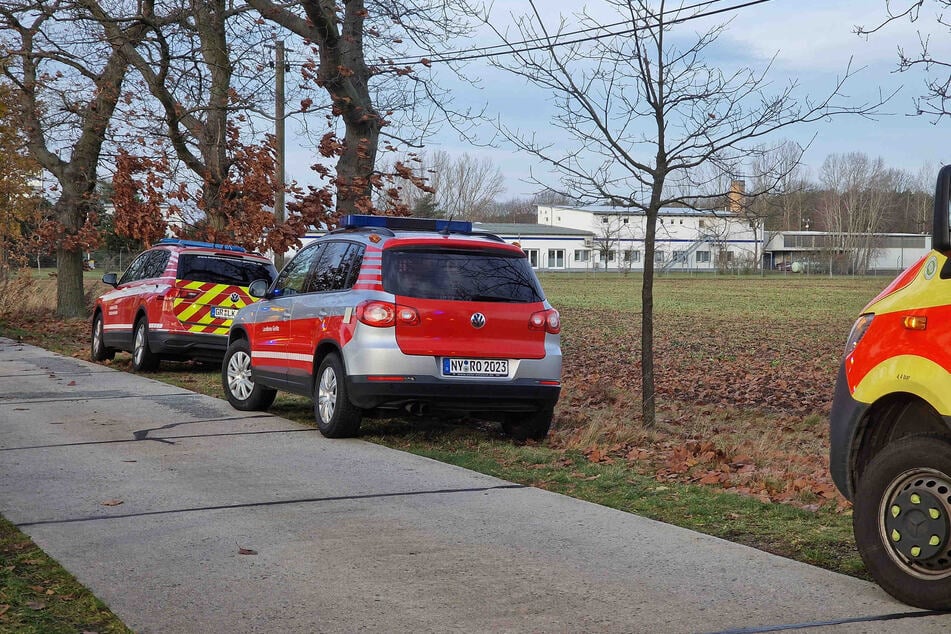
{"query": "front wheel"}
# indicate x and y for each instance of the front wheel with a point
(98, 350)
(143, 359)
(528, 426)
(336, 416)
(240, 389)
(901, 520)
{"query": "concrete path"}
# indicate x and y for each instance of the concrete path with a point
(242, 522)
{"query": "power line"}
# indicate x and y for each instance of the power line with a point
(497, 50)
(527, 45)
(505, 47)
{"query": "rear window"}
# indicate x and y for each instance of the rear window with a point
(475, 276)
(216, 269)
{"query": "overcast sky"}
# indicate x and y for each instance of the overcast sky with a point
(813, 41)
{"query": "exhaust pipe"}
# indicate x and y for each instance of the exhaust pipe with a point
(416, 408)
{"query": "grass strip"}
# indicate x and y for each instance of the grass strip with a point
(38, 596)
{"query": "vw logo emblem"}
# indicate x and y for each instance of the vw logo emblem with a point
(477, 320)
(234, 298)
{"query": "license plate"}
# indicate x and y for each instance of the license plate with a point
(223, 313)
(475, 367)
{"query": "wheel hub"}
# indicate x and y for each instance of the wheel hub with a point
(916, 524)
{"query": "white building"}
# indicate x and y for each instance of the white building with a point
(686, 239)
(844, 253)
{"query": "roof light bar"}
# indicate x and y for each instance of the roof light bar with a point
(405, 224)
(197, 243)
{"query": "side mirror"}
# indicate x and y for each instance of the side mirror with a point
(258, 288)
(111, 279)
(941, 231)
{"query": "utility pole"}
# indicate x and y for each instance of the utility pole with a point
(279, 139)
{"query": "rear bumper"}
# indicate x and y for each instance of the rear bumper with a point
(189, 345)
(844, 420)
(523, 395)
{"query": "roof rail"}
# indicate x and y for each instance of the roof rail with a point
(197, 243)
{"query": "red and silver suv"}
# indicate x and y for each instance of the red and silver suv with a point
(175, 301)
(403, 314)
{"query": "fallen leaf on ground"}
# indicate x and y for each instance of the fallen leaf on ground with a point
(247, 551)
(111, 502)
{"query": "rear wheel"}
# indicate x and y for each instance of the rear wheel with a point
(98, 350)
(143, 359)
(902, 520)
(528, 426)
(240, 389)
(336, 416)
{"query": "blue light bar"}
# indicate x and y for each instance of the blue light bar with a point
(406, 224)
(207, 245)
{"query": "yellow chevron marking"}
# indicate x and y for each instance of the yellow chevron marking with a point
(203, 329)
(200, 305)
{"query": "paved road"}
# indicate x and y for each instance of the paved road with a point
(350, 536)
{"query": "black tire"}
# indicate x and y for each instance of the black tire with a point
(902, 520)
(97, 347)
(528, 426)
(143, 359)
(336, 416)
(242, 392)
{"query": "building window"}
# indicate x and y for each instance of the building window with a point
(702, 223)
(604, 220)
(680, 256)
(556, 258)
(703, 257)
(532, 257)
(611, 255)
(581, 255)
(632, 255)
(625, 220)
(659, 257)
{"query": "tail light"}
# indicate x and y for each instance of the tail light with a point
(386, 314)
(177, 292)
(547, 320)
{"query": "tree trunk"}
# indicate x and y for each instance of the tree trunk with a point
(355, 165)
(70, 296)
(648, 408)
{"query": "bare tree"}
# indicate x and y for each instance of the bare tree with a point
(936, 98)
(463, 187)
(642, 112)
(469, 186)
(68, 80)
(858, 195)
(777, 170)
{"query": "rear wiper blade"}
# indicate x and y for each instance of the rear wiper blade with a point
(489, 298)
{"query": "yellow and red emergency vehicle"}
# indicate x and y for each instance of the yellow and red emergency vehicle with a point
(175, 301)
(890, 425)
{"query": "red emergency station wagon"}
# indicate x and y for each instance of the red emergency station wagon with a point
(408, 314)
(891, 425)
(175, 301)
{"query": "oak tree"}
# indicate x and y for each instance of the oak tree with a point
(68, 81)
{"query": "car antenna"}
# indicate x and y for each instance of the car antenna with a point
(445, 230)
